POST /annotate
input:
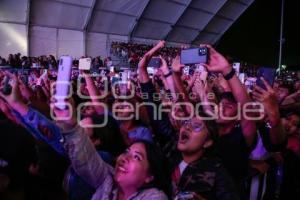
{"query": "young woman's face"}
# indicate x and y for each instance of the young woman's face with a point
(192, 136)
(281, 93)
(88, 110)
(124, 110)
(86, 123)
(291, 124)
(227, 110)
(132, 167)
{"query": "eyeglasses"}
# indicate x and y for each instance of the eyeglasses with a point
(195, 126)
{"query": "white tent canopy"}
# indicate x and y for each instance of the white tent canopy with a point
(79, 27)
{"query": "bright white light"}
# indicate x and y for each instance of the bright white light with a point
(14, 37)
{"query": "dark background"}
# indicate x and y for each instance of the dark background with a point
(254, 37)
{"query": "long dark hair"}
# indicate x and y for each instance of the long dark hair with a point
(158, 167)
(110, 136)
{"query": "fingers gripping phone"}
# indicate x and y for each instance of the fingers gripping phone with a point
(268, 74)
(62, 86)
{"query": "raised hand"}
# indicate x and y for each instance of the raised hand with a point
(164, 66)
(268, 98)
(67, 117)
(15, 95)
(26, 92)
(216, 62)
(14, 99)
(161, 44)
(176, 65)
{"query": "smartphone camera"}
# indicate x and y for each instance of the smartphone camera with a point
(202, 51)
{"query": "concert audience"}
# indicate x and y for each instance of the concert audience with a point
(174, 133)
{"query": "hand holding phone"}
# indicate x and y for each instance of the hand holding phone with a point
(194, 56)
(155, 62)
(6, 89)
(85, 63)
(63, 81)
(268, 74)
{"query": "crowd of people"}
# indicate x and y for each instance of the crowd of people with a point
(48, 62)
(132, 135)
(133, 52)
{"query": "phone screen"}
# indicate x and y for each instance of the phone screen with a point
(268, 74)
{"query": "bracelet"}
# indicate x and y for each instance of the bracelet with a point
(229, 75)
(168, 74)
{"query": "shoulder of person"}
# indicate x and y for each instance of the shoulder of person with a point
(152, 193)
(211, 162)
(143, 128)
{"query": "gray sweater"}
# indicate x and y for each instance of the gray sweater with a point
(89, 165)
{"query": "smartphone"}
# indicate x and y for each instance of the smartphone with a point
(112, 69)
(63, 81)
(200, 68)
(194, 56)
(236, 66)
(184, 196)
(6, 90)
(124, 76)
(203, 75)
(155, 62)
(242, 77)
(186, 70)
(150, 71)
(42, 77)
(115, 79)
(268, 74)
(24, 79)
(85, 63)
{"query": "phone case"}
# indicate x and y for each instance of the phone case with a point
(268, 74)
(63, 81)
(85, 63)
(194, 56)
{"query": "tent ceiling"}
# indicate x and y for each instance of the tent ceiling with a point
(183, 21)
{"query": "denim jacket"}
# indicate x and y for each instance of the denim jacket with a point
(84, 158)
(34, 122)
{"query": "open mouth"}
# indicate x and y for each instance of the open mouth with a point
(184, 137)
(122, 169)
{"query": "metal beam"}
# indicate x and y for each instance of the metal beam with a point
(67, 3)
(28, 26)
(187, 27)
(228, 19)
(134, 27)
(281, 39)
(177, 20)
(89, 15)
(87, 24)
(179, 3)
(240, 2)
(215, 15)
(50, 26)
(157, 20)
(11, 22)
(118, 13)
